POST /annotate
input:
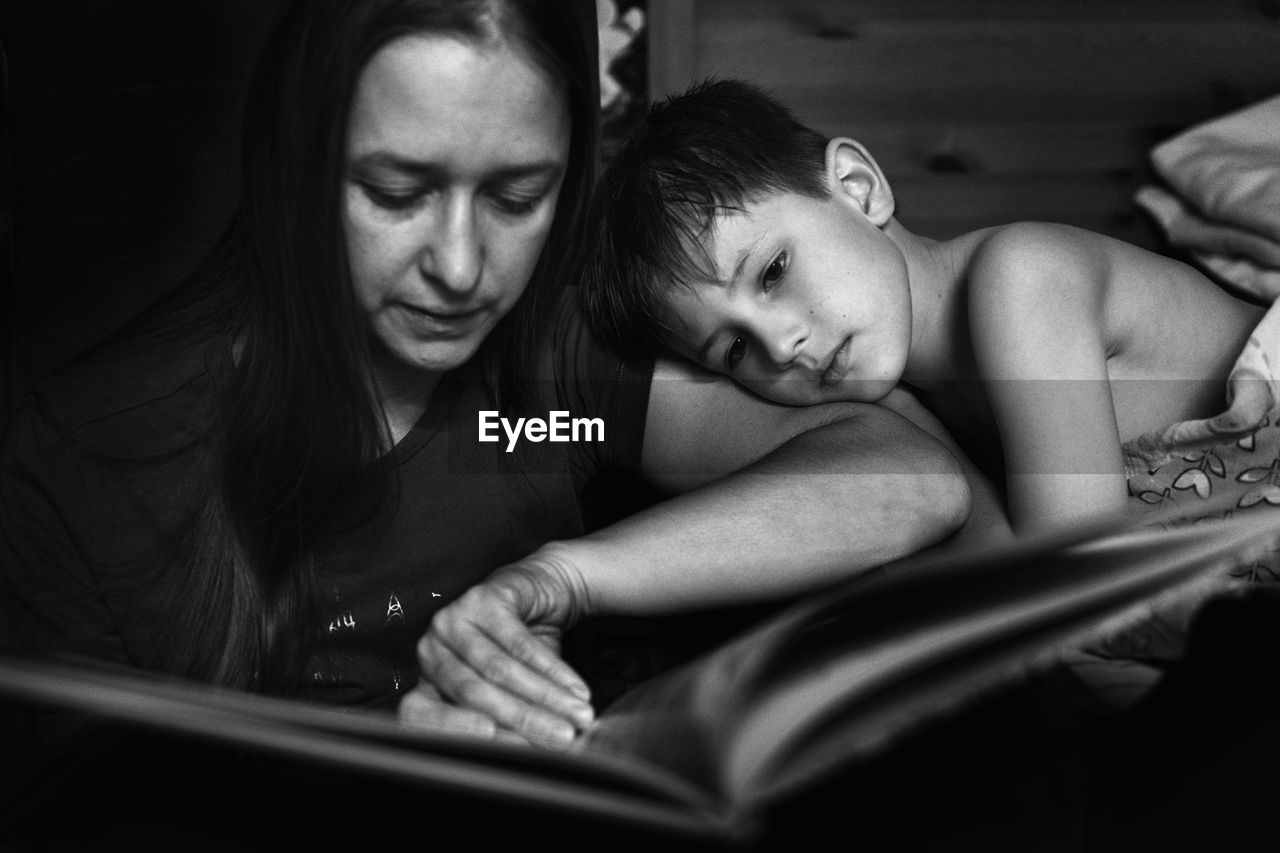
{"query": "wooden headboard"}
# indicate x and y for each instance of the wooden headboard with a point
(988, 111)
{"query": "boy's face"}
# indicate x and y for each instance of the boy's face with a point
(812, 304)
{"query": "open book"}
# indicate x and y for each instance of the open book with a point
(840, 676)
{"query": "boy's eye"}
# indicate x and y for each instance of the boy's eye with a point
(775, 271)
(733, 355)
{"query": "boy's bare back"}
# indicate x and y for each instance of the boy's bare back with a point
(1042, 296)
(1083, 342)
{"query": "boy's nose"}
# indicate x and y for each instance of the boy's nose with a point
(783, 341)
(454, 256)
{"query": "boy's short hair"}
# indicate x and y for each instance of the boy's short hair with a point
(713, 149)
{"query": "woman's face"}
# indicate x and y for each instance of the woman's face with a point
(455, 155)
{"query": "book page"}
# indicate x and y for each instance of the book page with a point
(859, 695)
(354, 741)
(694, 752)
(684, 720)
(687, 720)
(843, 673)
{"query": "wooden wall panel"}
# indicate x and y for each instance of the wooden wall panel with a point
(984, 111)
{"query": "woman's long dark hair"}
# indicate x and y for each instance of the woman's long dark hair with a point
(299, 423)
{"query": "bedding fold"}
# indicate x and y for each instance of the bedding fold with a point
(1221, 197)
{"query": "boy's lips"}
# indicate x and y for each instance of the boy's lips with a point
(838, 366)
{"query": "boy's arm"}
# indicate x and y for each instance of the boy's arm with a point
(1035, 312)
(822, 492)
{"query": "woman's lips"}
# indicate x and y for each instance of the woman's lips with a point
(440, 321)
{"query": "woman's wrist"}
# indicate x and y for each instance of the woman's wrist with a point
(552, 579)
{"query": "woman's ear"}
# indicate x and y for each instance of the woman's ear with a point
(855, 176)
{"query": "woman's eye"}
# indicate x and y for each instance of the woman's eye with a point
(515, 205)
(733, 355)
(392, 199)
(775, 271)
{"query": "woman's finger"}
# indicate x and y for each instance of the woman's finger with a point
(498, 612)
(537, 709)
(424, 707)
(505, 667)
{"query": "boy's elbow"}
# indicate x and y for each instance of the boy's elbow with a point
(938, 501)
(949, 510)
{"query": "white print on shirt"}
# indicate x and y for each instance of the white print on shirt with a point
(558, 427)
(395, 612)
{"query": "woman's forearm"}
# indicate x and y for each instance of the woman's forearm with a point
(855, 493)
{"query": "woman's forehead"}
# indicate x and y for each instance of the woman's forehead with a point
(434, 98)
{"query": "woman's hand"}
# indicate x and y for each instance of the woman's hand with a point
(490, 662)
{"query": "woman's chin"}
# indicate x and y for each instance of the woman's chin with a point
(432, 358)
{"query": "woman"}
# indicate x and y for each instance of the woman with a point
(276, 480)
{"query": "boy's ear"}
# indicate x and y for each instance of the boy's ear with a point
(854, 175)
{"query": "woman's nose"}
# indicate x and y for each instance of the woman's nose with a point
(455, 255)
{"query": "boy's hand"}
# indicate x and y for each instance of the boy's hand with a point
(1251, 398)
(490, 662)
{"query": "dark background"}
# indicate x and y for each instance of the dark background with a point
(120, 151)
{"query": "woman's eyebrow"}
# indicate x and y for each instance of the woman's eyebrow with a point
(418, 168)
(547, 168)
(393, 162)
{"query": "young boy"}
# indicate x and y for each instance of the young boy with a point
(734, 236)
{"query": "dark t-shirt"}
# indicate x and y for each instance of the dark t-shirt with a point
(103, 462)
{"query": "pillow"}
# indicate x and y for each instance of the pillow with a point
(1243, 261)
(1228, 169)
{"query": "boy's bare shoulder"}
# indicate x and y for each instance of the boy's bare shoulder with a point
(1035, 290)
(1027, 263)
(1024, 253)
